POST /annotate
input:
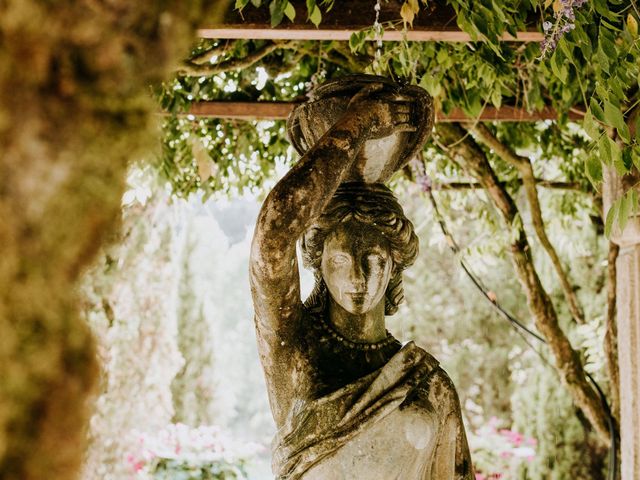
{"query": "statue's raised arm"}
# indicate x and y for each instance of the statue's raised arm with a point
(290, 208)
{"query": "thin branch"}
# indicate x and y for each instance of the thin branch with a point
(611, 334)
(567, 361)
(339, 57)
(217, 51)
(192, 69)
(359, 62)
(336, 58)
(523, 165)
(550, 184)
(632, 119)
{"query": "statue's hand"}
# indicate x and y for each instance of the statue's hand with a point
(380, 114)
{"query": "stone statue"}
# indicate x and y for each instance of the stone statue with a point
(349, 401)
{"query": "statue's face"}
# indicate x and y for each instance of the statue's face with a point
(356, 266)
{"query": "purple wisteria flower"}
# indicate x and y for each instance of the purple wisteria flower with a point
(565, 17)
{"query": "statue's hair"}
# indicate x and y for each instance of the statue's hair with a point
(374, 205)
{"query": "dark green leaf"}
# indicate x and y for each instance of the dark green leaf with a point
(596, 109)
(613, 116)
(593, 169)
(603, 60)
(356, 41)
(558, 67)
(627, 160)
(276, 9)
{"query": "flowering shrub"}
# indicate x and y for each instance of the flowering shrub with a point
(497, 453)
(180, 452)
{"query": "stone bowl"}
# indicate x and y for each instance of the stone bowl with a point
(379, 158)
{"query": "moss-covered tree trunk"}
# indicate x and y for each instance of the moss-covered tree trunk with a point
(74, 107)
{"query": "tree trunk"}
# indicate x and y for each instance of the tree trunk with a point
(74, 107)
(462, 148)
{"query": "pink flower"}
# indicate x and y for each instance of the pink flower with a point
(515, 437)
(480, 476)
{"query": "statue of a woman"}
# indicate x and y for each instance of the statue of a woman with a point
(349, 401)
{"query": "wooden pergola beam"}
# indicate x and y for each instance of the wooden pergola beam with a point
(257, 32)
(434, 22)
(281, 111)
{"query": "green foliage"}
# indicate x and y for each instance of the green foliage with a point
(594, 68)
(278, 9)
(620, 211)
(201, 156)
(179, 452)
(544, 411)
(170, 469)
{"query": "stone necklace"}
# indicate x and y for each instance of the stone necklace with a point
(330, 330)
(339, 361)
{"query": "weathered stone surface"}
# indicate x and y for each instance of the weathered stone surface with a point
(349, 401)
(628, 323)
(380, 157)
(628, 317)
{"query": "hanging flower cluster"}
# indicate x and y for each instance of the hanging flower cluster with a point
(564, 22)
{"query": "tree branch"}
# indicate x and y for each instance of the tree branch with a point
(358, 62)
(523, 165)
(550, 184)
(464, 150)
(193, 69)
(277, 66)
(217, 51)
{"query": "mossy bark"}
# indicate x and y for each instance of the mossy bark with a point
(74, 108)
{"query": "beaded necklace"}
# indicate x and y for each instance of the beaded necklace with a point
(362, 346)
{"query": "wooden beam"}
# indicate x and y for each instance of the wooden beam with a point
(434, 22)
(256, 32)
(281, 110)
(243, 110)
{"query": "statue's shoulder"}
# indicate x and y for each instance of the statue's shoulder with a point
(436, 390)
(413, 353)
